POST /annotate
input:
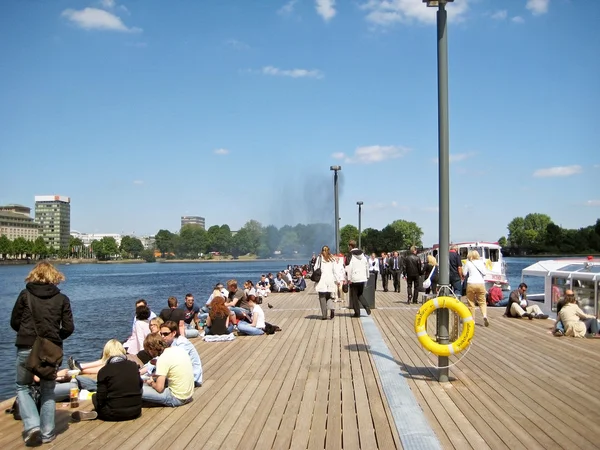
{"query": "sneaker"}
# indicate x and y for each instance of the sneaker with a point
(78, 416)
(74, 364)
(368, 310)
(33, 437)
(541, 316)
(559, 333)
(529, 316)
(486, 322)
(48, 439)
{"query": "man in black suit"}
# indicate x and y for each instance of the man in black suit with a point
(395, 267)
(383, 270)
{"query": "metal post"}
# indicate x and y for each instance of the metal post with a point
(337, 207)
(444, 180)
(359, 223)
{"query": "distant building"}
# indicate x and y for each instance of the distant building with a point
(15, 221)
(193, 220)
(88, 238)
(148, 242)
(53, 214)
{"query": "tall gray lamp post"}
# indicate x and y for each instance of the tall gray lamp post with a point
(359, 223)
(444, 176)
(337, 207)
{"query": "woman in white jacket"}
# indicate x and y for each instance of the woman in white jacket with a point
(475, 272)
(328, 284)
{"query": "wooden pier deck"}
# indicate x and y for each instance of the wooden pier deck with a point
(315, 385)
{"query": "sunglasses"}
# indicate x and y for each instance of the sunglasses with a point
(165, 333)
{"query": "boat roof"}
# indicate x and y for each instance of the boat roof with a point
(472, 244)
(578, 268)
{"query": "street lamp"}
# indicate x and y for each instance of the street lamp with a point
(359, 224)
(337, 207)
(444, 177)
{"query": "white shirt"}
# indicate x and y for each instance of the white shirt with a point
(476, 270)
(373, 264)
(329, 276)
(258, 312)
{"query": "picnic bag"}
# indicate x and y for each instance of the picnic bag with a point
(45, 357)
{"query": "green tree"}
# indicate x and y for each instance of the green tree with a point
(391, 240)
(223, 243)
(193, 241)
(516, 233)
(289, 243)
(411, 233)
(5, 246)
(502, 242)
(75, 246)
(347, 233)
(241, 243)
(272, 238)
(164, 241)
(253, 231)
(371, 240)
(20, 247)
(39, 248)
(131, 246)
(148, 255)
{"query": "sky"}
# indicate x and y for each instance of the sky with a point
(144, 111)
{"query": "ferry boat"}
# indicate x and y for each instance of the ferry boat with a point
(491, 254)
(582, 275)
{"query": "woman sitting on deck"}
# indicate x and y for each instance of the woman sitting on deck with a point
(298, 284)
(575, 321)
(218, 321)
(257, 326)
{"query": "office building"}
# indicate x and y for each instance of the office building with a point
(15, 221)
(53, 214)
(193, 220)
(88, 238)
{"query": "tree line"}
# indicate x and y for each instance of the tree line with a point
(538, 234)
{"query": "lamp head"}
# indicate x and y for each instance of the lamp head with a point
(359, 203)
(436, 3)
(335, 168)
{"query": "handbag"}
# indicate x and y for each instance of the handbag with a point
(45, 357)
(15, 410)
(316, 274)
(427, 282)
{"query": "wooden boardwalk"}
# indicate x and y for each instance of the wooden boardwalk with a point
(315, 385)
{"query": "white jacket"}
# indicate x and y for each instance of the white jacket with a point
(329, 275)
(358, 269)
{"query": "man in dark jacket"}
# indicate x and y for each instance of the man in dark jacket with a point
(395, 268)
(40, 310)
(413, 269)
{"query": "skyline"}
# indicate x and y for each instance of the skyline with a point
(145, 113)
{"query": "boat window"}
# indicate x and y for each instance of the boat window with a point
(559, 285)
(484, 252)
(464, 252)
(494, 254)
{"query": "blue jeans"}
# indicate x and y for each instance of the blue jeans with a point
(239, 312)
(190, 331)
(43, 420)
(457, 286)
(165, 398)
(503, 302)
(61, 391)
(246, 328)
(559, 326)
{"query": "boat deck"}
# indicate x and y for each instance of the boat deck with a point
(325, 385)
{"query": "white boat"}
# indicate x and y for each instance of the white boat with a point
(582, 275)
(491, 254)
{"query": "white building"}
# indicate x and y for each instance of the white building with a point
(88, 238)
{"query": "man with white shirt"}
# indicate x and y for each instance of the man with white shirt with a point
(518, 306)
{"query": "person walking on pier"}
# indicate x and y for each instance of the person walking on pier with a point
(475, 271)
(395, 267)
(40, 310)
(358, 274)
(413, 269)
(329, 282)
(383, 270)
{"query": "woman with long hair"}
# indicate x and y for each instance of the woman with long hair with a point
(431, 266)
(328, 284)
(476, 270)
(218, 321)
(40, 310)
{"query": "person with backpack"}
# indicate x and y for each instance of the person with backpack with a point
(358, 274)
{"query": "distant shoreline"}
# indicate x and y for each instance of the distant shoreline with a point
(23, 262)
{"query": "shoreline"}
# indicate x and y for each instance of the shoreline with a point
(24, 262)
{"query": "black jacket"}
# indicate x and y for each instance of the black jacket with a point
(53, 316)
(119, 394)
(413, 267)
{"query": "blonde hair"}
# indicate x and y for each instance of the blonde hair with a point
(216, 293)
(46, 273)
(112, 348)
(157, 321)
(326, 254)
(431, 260)
(473, 254)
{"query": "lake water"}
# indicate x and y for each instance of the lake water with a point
(103, 298)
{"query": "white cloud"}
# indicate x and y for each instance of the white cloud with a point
(386, 13)
(517, 19)
(373, 154)
(138, 182)
(292, 73)
(338, 155)
(538, 7)
(288, 8)
(563, 171)
(237, 45)
(500, 15)
(221, 151)
(97, 19)
(109, 4)
(326, 9)
(593, 203)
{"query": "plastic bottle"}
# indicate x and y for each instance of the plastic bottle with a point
(74, 393)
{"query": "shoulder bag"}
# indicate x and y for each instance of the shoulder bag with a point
(45, 357)
(427, 282)
(316, 274)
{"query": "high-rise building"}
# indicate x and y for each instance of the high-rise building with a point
(53, 214)
(15, 222)
(193, 220)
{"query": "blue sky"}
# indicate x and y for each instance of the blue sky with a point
(143, 111)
